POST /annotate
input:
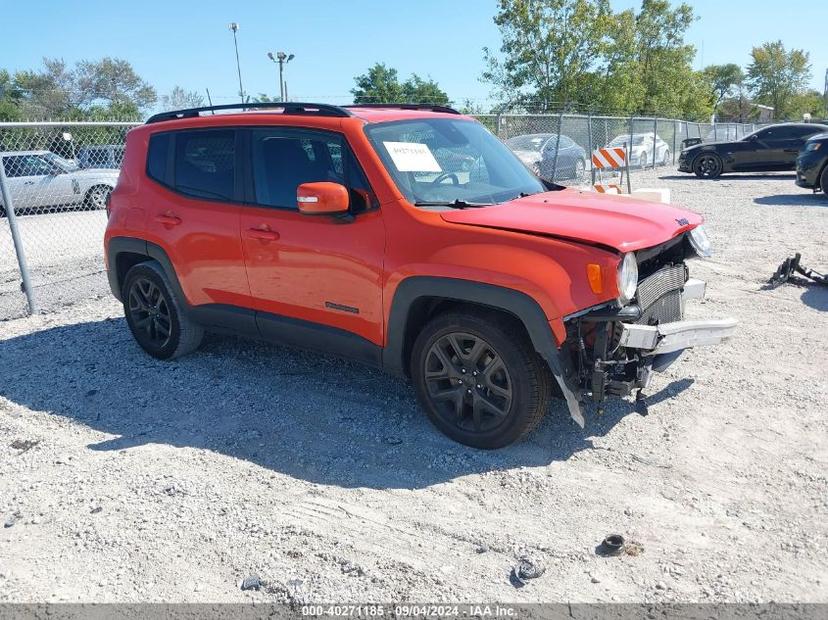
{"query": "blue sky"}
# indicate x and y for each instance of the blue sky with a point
(182, 42)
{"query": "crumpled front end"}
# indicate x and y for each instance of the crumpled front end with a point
(614, 349)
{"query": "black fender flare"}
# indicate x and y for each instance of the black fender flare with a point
(515, 302)
(132, 245)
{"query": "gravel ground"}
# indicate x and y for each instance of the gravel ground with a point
(128, 479)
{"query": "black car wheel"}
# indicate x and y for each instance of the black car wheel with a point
(823, 181)
(708, 166)
(96, 197)
(155, 315)
(479, 379)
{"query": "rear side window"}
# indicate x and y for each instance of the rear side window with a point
(205, 164)
(157, 158)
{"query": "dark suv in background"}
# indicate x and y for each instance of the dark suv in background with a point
(812, 164)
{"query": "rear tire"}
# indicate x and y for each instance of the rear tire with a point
(96, 197)
(665, 161)
(479, 379)
(155, 316)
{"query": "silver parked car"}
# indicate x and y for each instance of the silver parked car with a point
(646, 149)
(39, 180)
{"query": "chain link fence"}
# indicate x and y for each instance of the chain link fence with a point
(558, 146)
(57, 176)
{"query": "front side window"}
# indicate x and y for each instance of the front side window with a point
(205, 164)
(449, 162)
(284, 158)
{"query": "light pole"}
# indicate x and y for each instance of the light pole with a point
(281, 59)
(235, 28)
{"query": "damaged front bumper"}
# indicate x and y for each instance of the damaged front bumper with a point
(613, 350)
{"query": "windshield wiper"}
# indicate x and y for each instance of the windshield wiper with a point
(457, 204)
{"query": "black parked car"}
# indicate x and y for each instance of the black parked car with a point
(537, 151)
(771, 148)
(812, 164)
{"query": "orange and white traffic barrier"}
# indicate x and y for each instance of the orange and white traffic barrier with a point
(609, 158)
(607, 188)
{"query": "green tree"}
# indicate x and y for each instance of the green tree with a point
(809, 102)
(558, 54)
(381, 84)
(548, 47)
(776, 76)
(104, 89)
(180, 99)
(724, 81)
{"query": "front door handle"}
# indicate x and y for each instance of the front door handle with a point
(167, 219)
(263, 233)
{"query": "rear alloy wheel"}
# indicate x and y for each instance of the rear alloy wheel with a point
(482, 385)
(823, 181)
(645, 159)
(708, 166)
(155, 316)
(96, 197)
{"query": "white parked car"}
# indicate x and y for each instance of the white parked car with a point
(40, 179)
(645, 146)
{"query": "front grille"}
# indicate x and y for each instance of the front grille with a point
(659, 295)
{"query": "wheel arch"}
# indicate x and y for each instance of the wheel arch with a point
(125, 252)
(416, 298)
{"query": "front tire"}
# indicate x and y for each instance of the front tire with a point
(708, 166)
(155, 316)
(823, 181)
(479, 379)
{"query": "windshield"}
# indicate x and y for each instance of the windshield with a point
(60, 161)
(440, 161)
(530, 142)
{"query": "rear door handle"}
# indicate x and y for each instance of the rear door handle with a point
(168, 220)
(265, 234)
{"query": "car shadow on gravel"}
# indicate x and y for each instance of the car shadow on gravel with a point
(307, 416)
(731, 176)
(793, 200)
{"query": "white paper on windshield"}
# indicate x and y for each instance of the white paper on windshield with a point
(412, 157)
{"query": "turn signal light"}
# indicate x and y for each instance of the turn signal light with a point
(596, 281)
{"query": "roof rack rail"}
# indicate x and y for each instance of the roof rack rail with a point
(317, 109)
(406, 106)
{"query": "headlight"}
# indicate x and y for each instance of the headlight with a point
(700, 242)
(812, 146)
(627, 278)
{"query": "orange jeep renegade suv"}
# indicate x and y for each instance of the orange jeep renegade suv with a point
(407, 237)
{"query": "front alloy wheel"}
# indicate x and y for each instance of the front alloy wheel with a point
(468, 382)
(708, 166)
(479, 379)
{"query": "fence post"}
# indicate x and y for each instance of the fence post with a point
(18, 242)
(675, 131)
(629, 149)
(589, 154)
(655, 144)
(557, 146)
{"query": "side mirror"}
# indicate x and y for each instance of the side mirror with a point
(322, 198)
